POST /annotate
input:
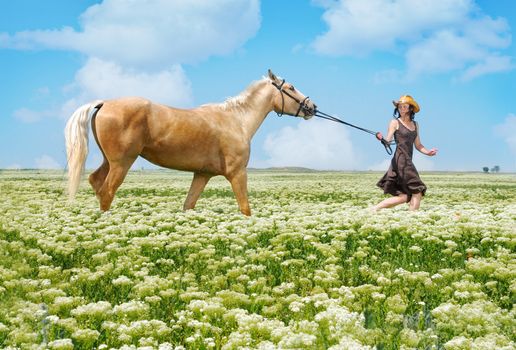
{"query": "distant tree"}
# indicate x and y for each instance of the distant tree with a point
(486, 169)
(495, 169)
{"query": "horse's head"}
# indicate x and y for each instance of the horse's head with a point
(289, 100)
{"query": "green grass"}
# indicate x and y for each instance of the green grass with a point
(312, 268)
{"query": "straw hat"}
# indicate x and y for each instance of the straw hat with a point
(407, 99)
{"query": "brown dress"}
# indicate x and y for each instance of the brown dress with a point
(402, 176)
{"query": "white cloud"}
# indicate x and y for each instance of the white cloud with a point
(313, 144)
(507, 130)
(47, 162)
(30, 116)
(451, 50)
(444, 51)
(491, 64)
(358, 27)
(136, 48)
(106, 80)
(99, 79)
(154, 33)
(437, 36)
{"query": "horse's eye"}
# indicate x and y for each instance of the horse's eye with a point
(292, 88)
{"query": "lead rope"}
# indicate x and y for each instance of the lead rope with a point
(386, 144)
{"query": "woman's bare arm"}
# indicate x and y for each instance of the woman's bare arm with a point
(391, 129)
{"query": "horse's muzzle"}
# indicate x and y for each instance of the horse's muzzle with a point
(309, 112)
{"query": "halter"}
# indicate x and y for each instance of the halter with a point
(302, 104)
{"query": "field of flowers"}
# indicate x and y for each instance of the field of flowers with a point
(313, 268)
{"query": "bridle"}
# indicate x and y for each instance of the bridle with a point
(302, 103)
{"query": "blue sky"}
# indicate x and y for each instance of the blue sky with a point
(455, 57)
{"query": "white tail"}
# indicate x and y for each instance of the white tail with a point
(76, 136)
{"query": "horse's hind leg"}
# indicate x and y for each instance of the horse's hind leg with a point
(115, 177)
(239, 186)
(198, 183)
(98, 177)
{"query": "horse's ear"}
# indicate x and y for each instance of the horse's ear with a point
(272, 76)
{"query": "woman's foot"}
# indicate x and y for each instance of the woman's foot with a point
(373, 209)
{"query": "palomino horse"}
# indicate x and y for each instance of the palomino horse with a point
(213, 139)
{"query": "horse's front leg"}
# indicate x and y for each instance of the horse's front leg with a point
(239, 184)
(198, 183)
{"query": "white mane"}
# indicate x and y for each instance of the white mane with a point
(242, 101)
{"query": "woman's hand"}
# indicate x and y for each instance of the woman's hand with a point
(432, 152)
(379, 136)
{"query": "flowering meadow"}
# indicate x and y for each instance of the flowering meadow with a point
(313, 268)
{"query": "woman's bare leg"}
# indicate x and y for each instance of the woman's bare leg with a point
(415, 201)
(391, 202)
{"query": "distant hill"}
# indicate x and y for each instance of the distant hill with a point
(286, 168)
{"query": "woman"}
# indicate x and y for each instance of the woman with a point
(402, 179)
